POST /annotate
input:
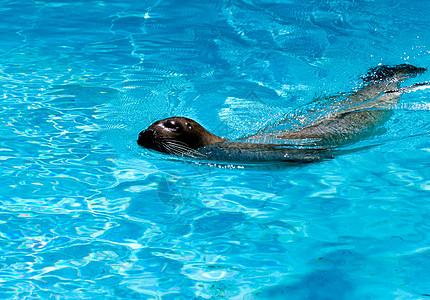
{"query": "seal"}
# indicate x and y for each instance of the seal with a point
(348, 118)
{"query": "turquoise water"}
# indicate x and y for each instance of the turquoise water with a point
(87, 214)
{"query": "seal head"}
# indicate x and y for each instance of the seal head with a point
(176, 135)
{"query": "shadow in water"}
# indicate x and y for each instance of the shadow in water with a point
(320, 284)
(331, 281)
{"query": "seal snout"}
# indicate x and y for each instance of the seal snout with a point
(146, 136)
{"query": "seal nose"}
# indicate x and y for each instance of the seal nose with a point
(145, 135)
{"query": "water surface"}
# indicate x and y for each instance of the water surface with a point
(87, 214)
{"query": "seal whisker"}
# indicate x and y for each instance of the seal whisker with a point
(174, 148)
(169, 149)
(180, 148)
(177, 148)
(177, 144)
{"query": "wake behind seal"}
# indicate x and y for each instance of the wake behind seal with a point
(356, 117)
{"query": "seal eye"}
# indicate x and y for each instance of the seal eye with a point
(188, 125)
(170, 124)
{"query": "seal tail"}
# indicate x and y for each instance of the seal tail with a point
(399, 72)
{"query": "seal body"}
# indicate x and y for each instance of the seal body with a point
(347, 119)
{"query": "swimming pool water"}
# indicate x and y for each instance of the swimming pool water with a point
(87, 214)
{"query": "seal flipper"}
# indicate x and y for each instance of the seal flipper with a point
(399, 72)
(249, 152)
(412, 88)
